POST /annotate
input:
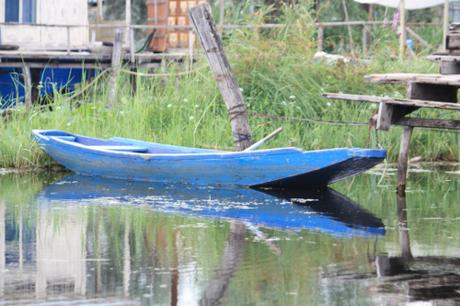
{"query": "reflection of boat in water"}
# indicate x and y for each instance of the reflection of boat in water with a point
(327, 211)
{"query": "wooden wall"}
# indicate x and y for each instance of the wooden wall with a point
(57, 12)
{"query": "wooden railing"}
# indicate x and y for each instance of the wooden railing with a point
(129, 31)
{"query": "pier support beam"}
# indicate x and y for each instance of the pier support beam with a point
(403, 160)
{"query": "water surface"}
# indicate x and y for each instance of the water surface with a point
(66, 239)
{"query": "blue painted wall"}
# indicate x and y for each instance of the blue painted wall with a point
(12, 84)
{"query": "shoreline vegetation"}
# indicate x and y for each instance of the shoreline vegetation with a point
(282, 84)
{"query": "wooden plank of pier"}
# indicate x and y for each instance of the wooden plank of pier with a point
(392, 78)
(429, 123)
(394, 101)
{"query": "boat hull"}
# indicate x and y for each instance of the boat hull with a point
(286, 167)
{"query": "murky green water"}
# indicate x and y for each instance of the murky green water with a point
(69, 241)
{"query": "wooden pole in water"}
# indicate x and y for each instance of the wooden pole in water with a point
(116, 63)
(204, 26)
(404, 240)
(403, 160)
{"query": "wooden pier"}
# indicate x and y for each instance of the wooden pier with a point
(32, 63)
(423, 91)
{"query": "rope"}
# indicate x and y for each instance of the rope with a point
(343, 123)
(319, 121)
(154, 75)
(81, 91)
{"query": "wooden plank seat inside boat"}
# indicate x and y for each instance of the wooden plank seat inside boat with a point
(135, 149)
(108, 146)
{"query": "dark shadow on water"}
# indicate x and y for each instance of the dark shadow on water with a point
(416, 278)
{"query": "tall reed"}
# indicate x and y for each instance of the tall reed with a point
(282, 85)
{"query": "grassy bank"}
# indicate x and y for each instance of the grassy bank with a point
(280, 81)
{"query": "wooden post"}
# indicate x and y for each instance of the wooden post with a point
(133, 80)
(212, 44)
(402, 25)
(100, 12)
(403, 160)
(404, 240)
(132, 52)
(68, 39)
(128, 20)
(445, 24)
(35, 78)
(28, 88)
(384, 117)
(350, 34)
(221, 15)
(116, 63)
(320, 38)
(365, 42)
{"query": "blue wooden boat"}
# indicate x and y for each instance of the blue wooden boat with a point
(145, 161)
(326, 211)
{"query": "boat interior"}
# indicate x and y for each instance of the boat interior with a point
(119, 144)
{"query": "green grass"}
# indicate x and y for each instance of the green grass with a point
(278, 77)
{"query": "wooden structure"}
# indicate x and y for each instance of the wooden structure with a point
(33, 62)
(423, 91)
(228, 86)
(18, 20)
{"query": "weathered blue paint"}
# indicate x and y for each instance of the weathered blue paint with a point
(52, 79)
(145, 161)
(328, 211)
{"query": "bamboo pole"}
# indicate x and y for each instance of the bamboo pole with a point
(204, 26)
(445, 24)
(264, 140)
(116, 65)
(402, 25)
(128, 21)
(350, 34)
(221, 14)
(100, 12)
